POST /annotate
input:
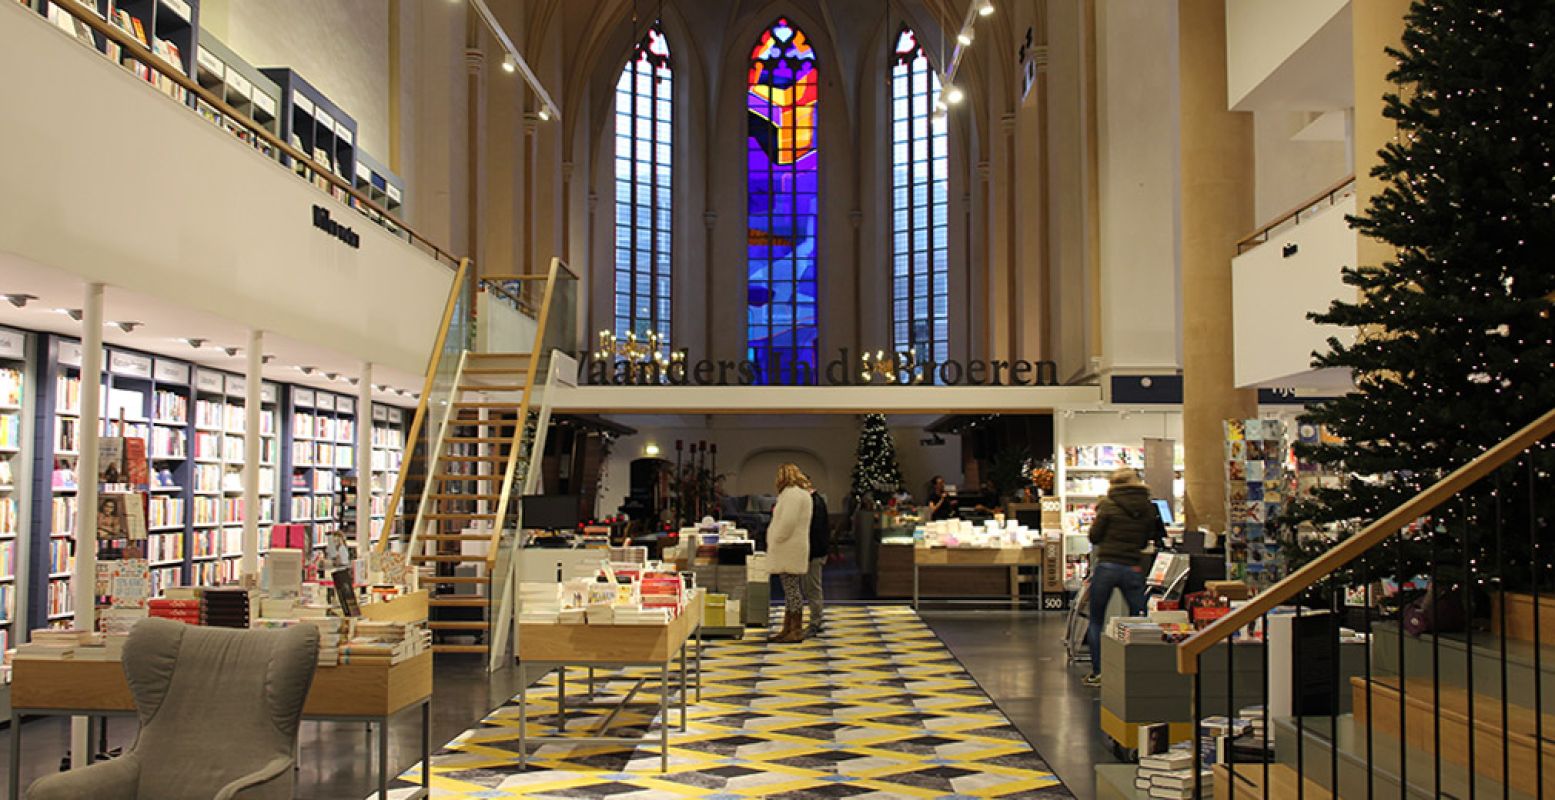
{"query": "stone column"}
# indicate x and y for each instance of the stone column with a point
(1217, 209)
(1377, 24)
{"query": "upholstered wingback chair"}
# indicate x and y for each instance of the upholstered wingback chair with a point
(218, 713)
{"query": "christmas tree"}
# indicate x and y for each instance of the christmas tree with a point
(1454, 336)
(876, 475)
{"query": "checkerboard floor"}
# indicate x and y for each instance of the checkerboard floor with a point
(876, 707)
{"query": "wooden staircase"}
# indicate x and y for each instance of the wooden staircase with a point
(459, 518)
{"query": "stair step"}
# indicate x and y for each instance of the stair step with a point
(440, 625)
(1446, 708)
(436, 579)
(447, 559)
(1249, 779)
(458, 648)
(450, 477)
(1447, 655)
(496, 356)
(436, 601)
(455, 537)
(1384, 765)
(458, 515)
(477, 440)
(475, 459)
(494, 387)
(477, 404)
(471, 497)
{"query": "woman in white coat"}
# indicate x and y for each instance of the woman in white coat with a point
(788, 547)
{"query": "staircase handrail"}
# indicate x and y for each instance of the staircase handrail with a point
(419, 524)
(522, 423)
(455, 291)
(1342, 554)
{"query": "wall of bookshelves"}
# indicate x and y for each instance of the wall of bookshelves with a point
(322, 450)
(166, 27)
(220, 454)
(242, 86)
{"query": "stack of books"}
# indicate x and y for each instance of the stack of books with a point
(385, 643)
(1255, 724)
(225, 607)
(643, 616)
(102, 647)
(328, 627)
(600, 614)
(54, 644)
(177, 609)
(1135, 629)
(661, 591)
(538, 602)
(1168, 774)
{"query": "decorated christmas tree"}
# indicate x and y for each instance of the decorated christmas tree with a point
(876, 475)
(1453, 350)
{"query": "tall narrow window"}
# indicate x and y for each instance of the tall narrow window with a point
(920, 272)
(643, 108)
(782, 206)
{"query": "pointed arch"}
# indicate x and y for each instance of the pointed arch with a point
(644, 116)
(782, 204)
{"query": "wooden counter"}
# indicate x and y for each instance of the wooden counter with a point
(573, 643)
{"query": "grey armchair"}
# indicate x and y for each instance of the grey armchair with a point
(218, 713)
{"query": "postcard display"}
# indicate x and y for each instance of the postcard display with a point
(1260, 478)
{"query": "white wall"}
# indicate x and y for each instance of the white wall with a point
(1271, 296)
(1262, 36)
(501, 328)
(1290, 171)
(1138, 142)
(113, 182)
(339, 46)
(750, 449)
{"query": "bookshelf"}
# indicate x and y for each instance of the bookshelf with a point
(172, 470)
(381, 186)
(242, 86)
(313, 124)
(166, 27)
(323, 449)
(388, 456)
(220, 454)
(15, 431)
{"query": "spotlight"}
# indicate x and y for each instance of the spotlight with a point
(126, 325)
(964, 38)
(508, 64)
(18, 300)
(354, 381)
(231, 351)
(954, 95)
(545, 115)
(193, 342)
(305, 370)
(267, 358)
(985, 9)
(332, 375)
(73, 313)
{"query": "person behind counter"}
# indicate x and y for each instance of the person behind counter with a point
(940, 504)
(1126, 524)
(788, 547)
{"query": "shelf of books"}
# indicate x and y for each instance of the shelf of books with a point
(323, 449)
(165, 27)
(382, 186)
(388, 455)
(241, 86)
(220, 454)
(15, 428)
(312, 123)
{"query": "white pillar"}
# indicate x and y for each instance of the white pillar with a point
(364, 460)
(253, 399)
(85, 579)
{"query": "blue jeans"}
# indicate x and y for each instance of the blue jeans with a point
(1106, 577)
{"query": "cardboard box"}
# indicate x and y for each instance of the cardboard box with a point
(1231, 590)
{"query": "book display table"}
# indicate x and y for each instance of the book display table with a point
(342, 693)
(545, 647)
(1010, 558)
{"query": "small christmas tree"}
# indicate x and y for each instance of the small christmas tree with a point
(1455, 335)
(876, 475)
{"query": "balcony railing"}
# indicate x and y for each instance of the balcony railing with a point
(1312, 205)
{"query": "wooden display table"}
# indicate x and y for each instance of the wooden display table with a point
(546, 647)
(342, 693)
(1007, 559)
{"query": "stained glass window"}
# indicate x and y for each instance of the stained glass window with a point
(920, 273)
(782, 205)
(642, 247)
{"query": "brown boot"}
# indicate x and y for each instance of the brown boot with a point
(787, 631)
(793, 628)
